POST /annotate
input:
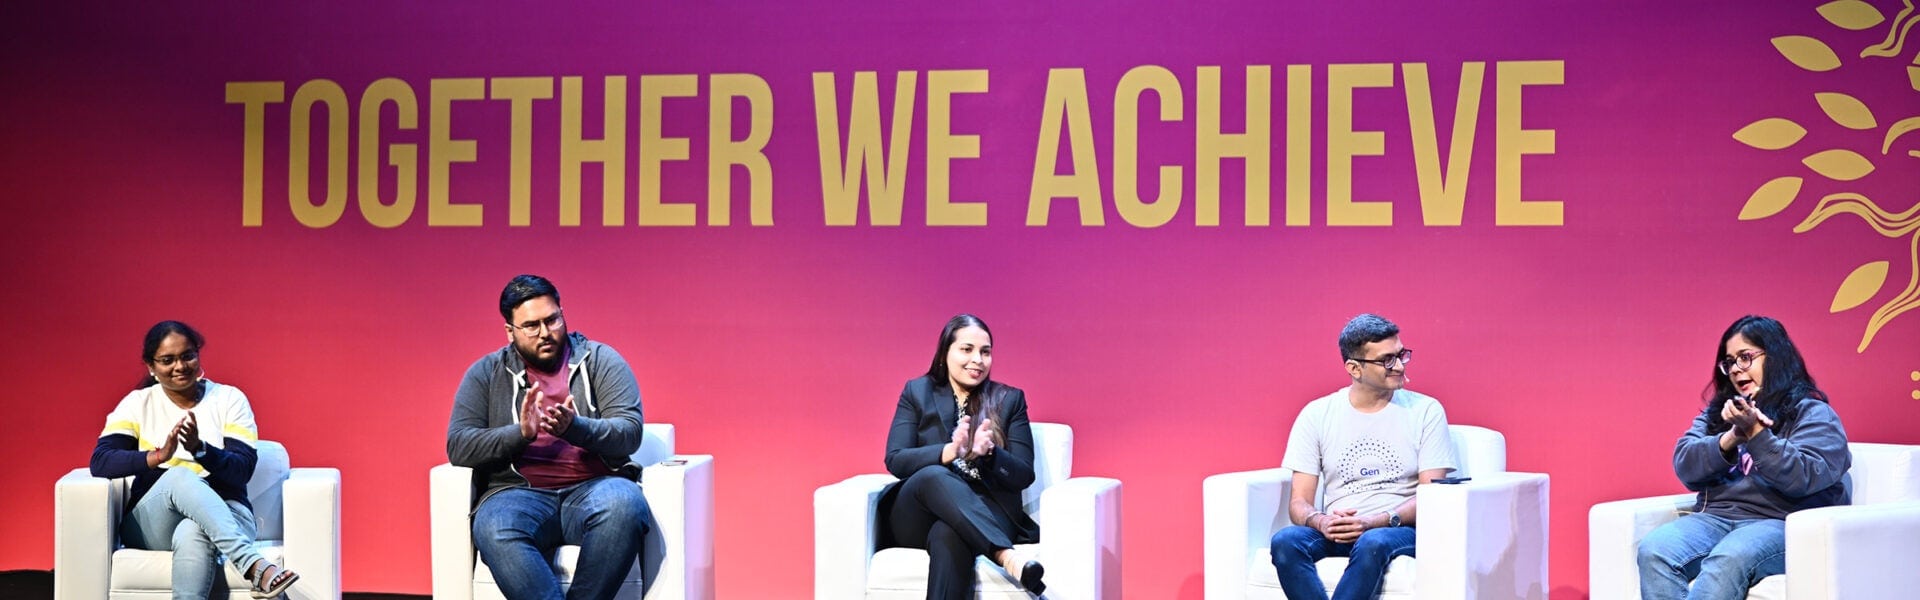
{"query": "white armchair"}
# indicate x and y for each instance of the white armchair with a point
(676, 560)
(1079, 521)
(296, 513)
(1486, 538)
(1859, 551)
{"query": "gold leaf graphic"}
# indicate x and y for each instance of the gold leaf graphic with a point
(1860, 286)
(1900, 128)
(1770, 134)
(1851, 14)
(1913, 77)
(1807, 53)
(1837, 164)
(1846, 110)
(1771, 198)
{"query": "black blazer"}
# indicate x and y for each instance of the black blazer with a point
(923, 424)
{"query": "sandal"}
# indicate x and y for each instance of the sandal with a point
(272, 580)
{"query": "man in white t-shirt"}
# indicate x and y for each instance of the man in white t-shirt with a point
(1371, 443)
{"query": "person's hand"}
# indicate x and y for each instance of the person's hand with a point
(157, 456)
(984, 442)
(188, 432)
(1343, 526)
(559, 417)
(530, 412)
(959, 443)
(1746, 419)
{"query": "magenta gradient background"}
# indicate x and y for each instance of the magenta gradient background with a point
(1175, 353)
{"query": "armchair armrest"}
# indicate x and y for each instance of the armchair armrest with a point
(450, 513)
(1239, 513)
(1080, 538)
(844, 534)
(1486, 538)
(680, 494)
(86, 519)
(312, 531)
(1614, 530)
(1871, 562)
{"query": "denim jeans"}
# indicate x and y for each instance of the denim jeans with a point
(183, 514)
(1722, 557)
(517, 529)
(1296, 548)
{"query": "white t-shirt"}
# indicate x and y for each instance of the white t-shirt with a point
(1369, 462)
(148, 415)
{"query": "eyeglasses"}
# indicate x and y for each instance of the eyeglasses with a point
(533, 328)
(1743, 362)
(1399, 359)
(190, 356)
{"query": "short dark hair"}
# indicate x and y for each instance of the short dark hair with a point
(1366, 328)
(523, 288)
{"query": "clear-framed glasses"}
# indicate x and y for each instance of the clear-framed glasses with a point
(190, 356)
(533, 328)
(1742, 362)
(1398, 359)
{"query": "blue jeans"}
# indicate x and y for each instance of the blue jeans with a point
(1722, 557)
(517, 529)
(1296, 548)
(183, 514)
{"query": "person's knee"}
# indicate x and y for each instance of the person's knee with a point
(1653, 552)
(927, 477)
(618, 501)
(1289, 544)
(1380, 544)
(188, 537)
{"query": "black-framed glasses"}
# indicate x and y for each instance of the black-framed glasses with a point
(533, 328)
(169, 360)
(1397, 359)
(1744, 361)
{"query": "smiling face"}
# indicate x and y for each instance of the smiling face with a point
(175, 363)
(1747, 380)
(969, 358)
(1376, 375)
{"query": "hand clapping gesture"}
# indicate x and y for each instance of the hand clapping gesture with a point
(959, 446)
(984, 442)
(530, 412)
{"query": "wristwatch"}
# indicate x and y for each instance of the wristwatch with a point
(1393, 518)
(201, 453)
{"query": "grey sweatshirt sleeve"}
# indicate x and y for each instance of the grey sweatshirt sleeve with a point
(618, 428)
(1813, 456)
(1697, 458)
(470, 441)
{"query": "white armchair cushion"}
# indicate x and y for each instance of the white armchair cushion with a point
(1079, 540)
(89, 562)
(676, 559)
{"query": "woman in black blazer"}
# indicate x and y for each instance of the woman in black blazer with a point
(962, 447)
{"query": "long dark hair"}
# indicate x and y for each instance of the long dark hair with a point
(985, 398)
(158, 333)
(1784, 379)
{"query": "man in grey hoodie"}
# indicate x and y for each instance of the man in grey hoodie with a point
(549, 423)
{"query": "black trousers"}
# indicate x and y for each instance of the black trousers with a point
(941, 512)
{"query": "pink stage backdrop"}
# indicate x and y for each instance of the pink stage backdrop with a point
(1166, 211)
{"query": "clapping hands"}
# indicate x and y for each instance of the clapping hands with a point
(554, 420)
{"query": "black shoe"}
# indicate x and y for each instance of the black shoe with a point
(1030, 574)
